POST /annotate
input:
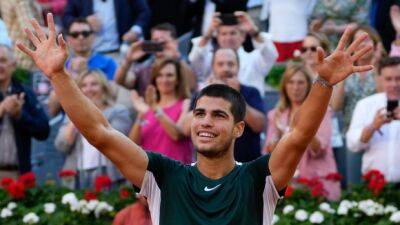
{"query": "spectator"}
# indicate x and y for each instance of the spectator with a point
(254, 66)
(80, 154)
(15, 15)
(80, 38)
(134, 75)
(21, 118)
(288, 24)
(318, 160)
(347, 93)
(374, 130)
(225, 67)
(379, 17)
(332, 17)
(136, 214)
(112, 21)
(54, 6)
(161, 116)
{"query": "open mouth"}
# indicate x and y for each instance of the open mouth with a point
(206, 134)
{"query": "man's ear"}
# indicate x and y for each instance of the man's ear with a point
(238, 129)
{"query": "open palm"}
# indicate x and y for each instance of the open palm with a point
(48, 56)
(341, 63)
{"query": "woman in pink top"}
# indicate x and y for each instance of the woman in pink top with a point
(318, 160)
(157, 127)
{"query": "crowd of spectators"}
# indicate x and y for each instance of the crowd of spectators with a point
(142, 63)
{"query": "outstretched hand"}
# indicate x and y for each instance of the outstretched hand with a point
(341, 63)
(48, 56)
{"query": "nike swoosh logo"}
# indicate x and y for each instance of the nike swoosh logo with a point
(210, 189)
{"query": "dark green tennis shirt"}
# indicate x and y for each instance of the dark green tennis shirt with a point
(180, 195)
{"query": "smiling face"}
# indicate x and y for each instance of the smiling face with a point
(390, 80)
(296, 88)
(167, 79)
(213, 129)
(91, 88)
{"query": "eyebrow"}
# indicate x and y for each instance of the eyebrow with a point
(215, 111)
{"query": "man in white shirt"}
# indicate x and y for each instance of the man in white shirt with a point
(254, 66)
(374, 129)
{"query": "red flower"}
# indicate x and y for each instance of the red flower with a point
(334, 177)
(303, 180)
(289, 191)
(89, 195)
(16, 190)
(67, 173)
(102, 182)
(28, 179)
(376, 181)
(124, 193)
(5, 182)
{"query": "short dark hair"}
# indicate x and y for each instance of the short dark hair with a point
(166, 27)
(388, 62)
(78, 20)
(238, 104)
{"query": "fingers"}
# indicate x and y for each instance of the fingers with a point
(320, 55)
(40, 33)
(353, 46)
(343, 40)
(358, 69)
(52, 28)
(360, 53)
(35, 41)
(21, 96)
(25, 50)
(61, 42)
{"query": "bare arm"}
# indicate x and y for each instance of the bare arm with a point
(338, 96)
(130, 159)
(174, 129)
(255, 119)
(332, 69)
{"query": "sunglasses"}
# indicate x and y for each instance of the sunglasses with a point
(305, 49)
(76, 34)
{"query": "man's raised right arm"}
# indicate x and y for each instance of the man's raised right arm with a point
(130, 159)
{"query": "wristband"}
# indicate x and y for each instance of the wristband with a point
(321, 81)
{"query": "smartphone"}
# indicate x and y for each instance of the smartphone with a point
(152, 47)
(228, 19)
(391, 106)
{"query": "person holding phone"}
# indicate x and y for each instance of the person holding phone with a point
(163, 44)
(375, 125)
(229, 31)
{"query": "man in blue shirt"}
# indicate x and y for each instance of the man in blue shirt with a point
(80, 38)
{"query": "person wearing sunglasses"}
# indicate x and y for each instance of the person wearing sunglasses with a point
(80, 38)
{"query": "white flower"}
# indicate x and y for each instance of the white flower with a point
(92, 204)
(345, 206)
(371, 208)
(30, 218)
(11, 205)
(288, 209)
(5, 213)
(342, 210)
(301, 215)
(395, 217)
(275, 219)
(390, 209)
(317, 217)
(101, 208)
(49, 208)
(69, 198)
(326, 208)
(82, 207)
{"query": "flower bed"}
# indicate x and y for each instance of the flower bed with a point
(374, 202)
(21, 202)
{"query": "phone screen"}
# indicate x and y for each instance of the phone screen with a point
(391, 106)
(152, 47)
(228, 19)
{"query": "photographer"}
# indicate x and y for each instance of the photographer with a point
(231, 31)
(134, 75)
(375, 125)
